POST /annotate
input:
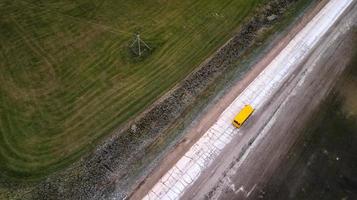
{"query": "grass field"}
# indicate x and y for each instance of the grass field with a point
(68, 78)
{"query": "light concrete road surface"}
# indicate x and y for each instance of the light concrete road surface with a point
(227, 163)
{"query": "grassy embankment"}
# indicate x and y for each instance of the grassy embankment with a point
(68, 78)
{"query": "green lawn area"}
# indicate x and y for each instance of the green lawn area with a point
(68, 78)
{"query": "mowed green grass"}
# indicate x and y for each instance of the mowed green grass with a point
(67, 78)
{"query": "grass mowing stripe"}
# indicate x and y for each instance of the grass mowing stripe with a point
(97, 84)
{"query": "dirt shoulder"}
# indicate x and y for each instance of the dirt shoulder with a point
(327, 144)
(203, 124)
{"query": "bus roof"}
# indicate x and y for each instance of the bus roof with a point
(244, 114)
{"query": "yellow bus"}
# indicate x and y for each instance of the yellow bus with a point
(242, 116)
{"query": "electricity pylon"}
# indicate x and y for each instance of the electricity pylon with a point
(139, 45)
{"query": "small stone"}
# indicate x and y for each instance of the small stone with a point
(133, 128)
(272, 17)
